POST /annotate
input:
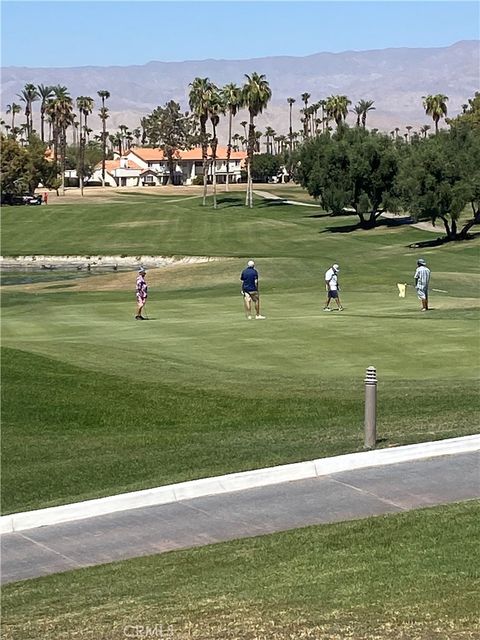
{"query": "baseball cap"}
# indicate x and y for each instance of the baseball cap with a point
(142, 270)
(421, 262)
(336, 267)
(250, 263)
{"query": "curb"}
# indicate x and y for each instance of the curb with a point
(235, 482)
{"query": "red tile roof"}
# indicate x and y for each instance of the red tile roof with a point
(147, 154)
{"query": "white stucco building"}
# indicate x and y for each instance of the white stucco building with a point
(144, 166)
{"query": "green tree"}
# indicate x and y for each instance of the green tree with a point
(353, 168)
(440, 177)
(103, 94)
(169, 129)
(256, 95)
(470, 115)
(264, 166)
(436, 107)
(232, 95)
(22, 169)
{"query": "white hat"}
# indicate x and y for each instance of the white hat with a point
(250, 263)
(335, 267)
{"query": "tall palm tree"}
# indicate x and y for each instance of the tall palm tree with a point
(269, 133)
(85, 108)
(29, 95)
(436, 107)
(305, 97)
(13, 109)
(45, 92)
(357, 110)
(60, 108)
(291, 102)
(216, 108)
(367, 105)
(103, 94)
(256, 95)
(232, 96)
(199, 98)
(337, 108)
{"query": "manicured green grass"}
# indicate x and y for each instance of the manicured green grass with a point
(95, 403)
(412, 575)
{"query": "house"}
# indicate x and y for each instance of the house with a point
(144, 166)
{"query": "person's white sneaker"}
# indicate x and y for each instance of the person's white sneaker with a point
(327, 309)
(260, 317)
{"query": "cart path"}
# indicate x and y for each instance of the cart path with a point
(342, 496)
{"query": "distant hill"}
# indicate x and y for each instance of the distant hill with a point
(396, 79)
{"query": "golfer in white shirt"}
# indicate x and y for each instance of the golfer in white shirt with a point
(422, 279)
(332, 287)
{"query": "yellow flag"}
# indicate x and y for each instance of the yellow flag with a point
(402, 288)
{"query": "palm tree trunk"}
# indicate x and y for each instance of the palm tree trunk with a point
(229, 149)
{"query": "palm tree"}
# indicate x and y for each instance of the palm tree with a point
(232, 96)
(216, 108)
(291, 102)
(29, 95)
(425, 129)
(256, 95)
(13, 109)
(269, 133)
(60, 108)
(137, 135)
(436, 107)
(337, 108)
(364, 106)
(408, 128)
(235, 138)
(85, 108)
(103, 94)
(305, 97)
(358, 112)
(199, 97)
(45, 92)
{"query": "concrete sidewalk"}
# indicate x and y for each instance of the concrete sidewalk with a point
(339, 496)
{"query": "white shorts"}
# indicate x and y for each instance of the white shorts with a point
(422, 293)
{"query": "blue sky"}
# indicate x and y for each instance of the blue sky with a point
(62, 33)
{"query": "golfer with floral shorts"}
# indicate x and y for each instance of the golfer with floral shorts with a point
(141, 292)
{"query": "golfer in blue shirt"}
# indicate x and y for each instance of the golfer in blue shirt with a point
(249, 278)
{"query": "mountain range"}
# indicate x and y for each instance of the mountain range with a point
(396, 79)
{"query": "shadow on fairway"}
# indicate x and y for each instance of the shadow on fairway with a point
(440, 240)
(384, 222)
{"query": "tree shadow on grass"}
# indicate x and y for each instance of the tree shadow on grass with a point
(437, 242)
(382, 222)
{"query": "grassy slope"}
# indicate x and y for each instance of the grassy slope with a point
(94, 403)
(411, 576)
